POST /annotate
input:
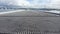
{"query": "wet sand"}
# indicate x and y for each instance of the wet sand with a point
(31, 21)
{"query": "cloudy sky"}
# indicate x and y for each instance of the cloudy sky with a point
(33, 3)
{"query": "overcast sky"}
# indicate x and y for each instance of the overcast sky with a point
(33, 3)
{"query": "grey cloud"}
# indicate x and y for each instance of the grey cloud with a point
(35, 3)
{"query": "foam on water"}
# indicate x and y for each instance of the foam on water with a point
(53, 11)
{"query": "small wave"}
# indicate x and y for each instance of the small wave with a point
(5, 12)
